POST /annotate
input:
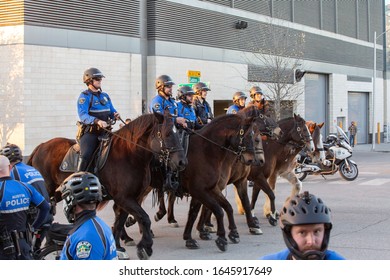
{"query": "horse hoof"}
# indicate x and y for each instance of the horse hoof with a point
(129, 242)
(192, 244)
(255, 231)
(158, 216)
(122, 255)
(221, 244)
(234, 237)
(272, 219)
(210, 228)
(174, 224)
(205, 235)
(142, 255)
(130, 221)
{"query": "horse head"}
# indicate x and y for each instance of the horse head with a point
(298, 132)
(166, 143)
(249, 144)
(315, 129)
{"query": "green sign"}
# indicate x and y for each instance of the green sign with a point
(193, 80)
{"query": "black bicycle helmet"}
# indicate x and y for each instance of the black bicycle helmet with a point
(163, 80)
(79, 188)
(254, 90)
(91, 73)
(183, 91)
(305, 209)
(12, 152)
(198, 87)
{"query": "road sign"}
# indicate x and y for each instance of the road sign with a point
(193, 76)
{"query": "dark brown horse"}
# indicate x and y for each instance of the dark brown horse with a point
(126, 173)
(264, 126)
(280, 161)
(213, 149)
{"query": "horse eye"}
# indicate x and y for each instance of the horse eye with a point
(298, 129)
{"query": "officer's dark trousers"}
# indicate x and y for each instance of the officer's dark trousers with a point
(88, 144)
(25, 250)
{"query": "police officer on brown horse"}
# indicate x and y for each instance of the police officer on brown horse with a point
(95, 109)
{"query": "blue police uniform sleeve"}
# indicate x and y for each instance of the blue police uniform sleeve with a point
(155, 106)
(282, 255)
(41, 204)
(83, 108)
(180, 110)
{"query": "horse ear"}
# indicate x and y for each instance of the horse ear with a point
(321, 124)
(159, 117)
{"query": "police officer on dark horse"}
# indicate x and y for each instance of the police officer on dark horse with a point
(95, 109)
(159, 103)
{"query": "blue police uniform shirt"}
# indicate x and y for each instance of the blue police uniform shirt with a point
(87, 243)
(92, 105)
(233, 109)
(283, 255)
(15, 202)
(159, 103)
(186, 111)
(28, 174)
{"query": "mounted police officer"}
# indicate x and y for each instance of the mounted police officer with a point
(201, 106)
(15, 199)
(239, 99)
(258, 100)
(29, 175)
(164, 100)
(185, 110)
(91, 238)
(95, 109)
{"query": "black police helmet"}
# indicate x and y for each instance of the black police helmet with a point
(12, 152)
(198, 87)
(91, 73)
(183, 91)
(163, 80)
(254, 90)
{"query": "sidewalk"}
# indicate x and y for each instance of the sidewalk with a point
(383, 147)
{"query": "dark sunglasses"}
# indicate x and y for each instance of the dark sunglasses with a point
(168, 86)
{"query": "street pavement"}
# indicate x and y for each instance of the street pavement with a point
(361, 217)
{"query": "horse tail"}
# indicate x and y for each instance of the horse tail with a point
(29, 161)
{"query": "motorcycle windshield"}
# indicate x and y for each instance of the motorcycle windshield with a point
(342, 134)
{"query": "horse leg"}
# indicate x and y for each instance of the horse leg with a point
(123, 235)
(192, 215)
(171, 205)
(294, 181)
(118, 227)
(204, 234)
(252, 221)
(269, 206)
(161, 208)
(224, 203)
(144, 247)
(240, 207)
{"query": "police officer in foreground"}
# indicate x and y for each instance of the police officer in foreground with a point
(239, 99)
(95, 110)
(15, 199)
(28, 174)
(306, 223)
(185, 110)
(91, 238)
(258, 100)
(201, 106)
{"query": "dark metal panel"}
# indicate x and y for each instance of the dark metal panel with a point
(328, 15)
(282, 9)
(11, 12)
(363, 20)
(307, 13)
(260, 7)
(347, 21)
(119, 17)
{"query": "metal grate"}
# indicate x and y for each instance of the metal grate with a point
(11, 12)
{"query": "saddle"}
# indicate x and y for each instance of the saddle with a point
(72, 157)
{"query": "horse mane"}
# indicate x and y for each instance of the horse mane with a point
(138, 127)
(223, 120)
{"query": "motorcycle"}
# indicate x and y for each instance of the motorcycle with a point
(338, 158)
